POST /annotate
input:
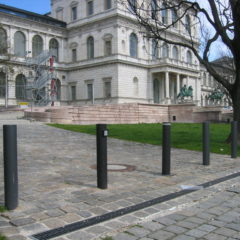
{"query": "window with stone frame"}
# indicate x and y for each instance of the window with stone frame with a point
(107, 4)
(89, 91)
(37, 45)
(20, 89)
(154, 9)
(165, 51)
(174, 17)
(90, 47)
(154, 49)
(135, 86)
(188, 24)
(19, 44)
(164, 14)
(108, 47)
(175, 54)
(73, 92)
(2, 84)
(189, 57)
(74, 55)
(59, 14)
(90, 7)
(54, 48)
(132, 5)
(107, 89)
(74, 13)
(3, 41)
(133, 45)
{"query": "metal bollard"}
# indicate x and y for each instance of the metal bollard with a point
(10, 166)
(234, 139)
(206, 143)
(166, 149)
(102, 134)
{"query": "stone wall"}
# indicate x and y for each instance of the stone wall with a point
(123, 113)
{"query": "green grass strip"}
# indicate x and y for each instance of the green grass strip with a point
(183, 135)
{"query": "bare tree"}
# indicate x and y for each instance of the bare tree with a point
(222, 17)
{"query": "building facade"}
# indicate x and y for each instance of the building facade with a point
(100, 55)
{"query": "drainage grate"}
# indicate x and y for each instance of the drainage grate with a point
(108, 216)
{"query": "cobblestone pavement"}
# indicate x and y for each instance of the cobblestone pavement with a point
(57, 186)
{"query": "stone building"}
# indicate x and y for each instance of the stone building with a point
(100, 55)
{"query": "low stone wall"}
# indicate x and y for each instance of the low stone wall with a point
(123, 113)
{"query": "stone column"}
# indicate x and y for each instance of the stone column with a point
(167, 87)
(178, 83)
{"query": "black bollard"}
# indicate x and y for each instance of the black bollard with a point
(234, 139)
(10, 166)
(102, 133)
(206, 144)
(166, 149)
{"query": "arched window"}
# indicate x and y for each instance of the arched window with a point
(164, 14)
(19, 44)
(3, 41)
(53, 47)
(20, 87)
(133, 45)
(37, 45)
(90, 47)
(154, 49)
(188, 24)
(189, 57)
(154, 9)
(165, 52)
(2, 84)
(175, 53)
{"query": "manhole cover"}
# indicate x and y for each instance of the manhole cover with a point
(118, 167)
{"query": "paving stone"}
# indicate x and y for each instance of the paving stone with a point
(97, 229)
(54, 223)
(80, 235)
(85, 214)
(206, 228)
(186, 224)
(213, 236)
(165, 221)
(234, 226)
(183, 237)
(4, 224)
(138, 231)
(34, 228)
(161, 235)
(177, 217)
(197, 220)
(17, 237)
(124, 236)
(196, 233)
(55, 213)
(22, 221)
(225, 232)
(152, 226)
(176, 229)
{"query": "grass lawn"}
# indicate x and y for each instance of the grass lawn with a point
(183, 135)
(2, 237)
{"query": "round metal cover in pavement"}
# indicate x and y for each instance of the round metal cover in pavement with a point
(118, 167)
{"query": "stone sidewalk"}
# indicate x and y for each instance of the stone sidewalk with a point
(57, 186)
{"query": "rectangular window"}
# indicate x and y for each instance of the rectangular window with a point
(108, 47)
(74, 55)
(74, 13)
(90, 91)
(90, 8)
(107, 89)
(73, 93)
(59, 14)
(108, 4)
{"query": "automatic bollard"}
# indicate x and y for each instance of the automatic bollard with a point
(234, 139)
(102, 134)
(166, 149)
(10, 166)
(206, 144)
